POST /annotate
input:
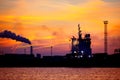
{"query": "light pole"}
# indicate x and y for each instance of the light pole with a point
(105, 36)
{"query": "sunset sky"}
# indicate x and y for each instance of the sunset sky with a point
(53, 22)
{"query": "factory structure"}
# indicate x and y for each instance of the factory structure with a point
(80, 54)
(81, 47)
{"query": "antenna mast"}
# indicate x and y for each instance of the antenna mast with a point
(79, 32)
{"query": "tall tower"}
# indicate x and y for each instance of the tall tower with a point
(105, 36)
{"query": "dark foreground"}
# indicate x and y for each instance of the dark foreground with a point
(23, 60)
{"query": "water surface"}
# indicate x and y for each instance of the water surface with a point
(59, 73)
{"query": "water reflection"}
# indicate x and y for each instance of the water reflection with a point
(59, 73)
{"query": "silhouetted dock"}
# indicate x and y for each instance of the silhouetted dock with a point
(23, 60)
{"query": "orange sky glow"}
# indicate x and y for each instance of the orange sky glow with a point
(52, 23)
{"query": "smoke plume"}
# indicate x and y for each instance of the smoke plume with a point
(11, 35)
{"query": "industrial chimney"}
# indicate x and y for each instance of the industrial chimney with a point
(31, 50)
(105, 36)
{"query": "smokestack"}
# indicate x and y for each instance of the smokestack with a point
(31, 50)
(105, 36)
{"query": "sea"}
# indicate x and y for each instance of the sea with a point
(59, 73)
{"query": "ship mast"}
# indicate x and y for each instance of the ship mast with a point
(79, 33)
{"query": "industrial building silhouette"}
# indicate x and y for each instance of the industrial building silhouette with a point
(81, 46)
(80, 55)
